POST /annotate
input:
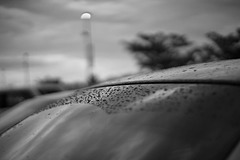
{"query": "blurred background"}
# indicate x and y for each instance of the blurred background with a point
(47, 41)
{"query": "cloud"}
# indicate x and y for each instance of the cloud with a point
(14, 21)
(196, 17)
(16, 62)
(22, 31)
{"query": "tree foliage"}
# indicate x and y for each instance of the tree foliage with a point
(160, 51)
(203, 53)
(228, 46)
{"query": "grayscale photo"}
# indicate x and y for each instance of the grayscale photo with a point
(119, 80)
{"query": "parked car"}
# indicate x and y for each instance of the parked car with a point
(49, 88)
(185, 113)
(12, 96)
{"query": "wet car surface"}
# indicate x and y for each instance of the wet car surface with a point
(189, 112)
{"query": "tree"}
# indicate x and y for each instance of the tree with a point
(203, 53)
(228, 46)
(159, 51)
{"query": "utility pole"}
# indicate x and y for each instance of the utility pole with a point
(87, 38)
(3, 73)
(26, 69)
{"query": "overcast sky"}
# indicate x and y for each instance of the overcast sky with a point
(50, 31)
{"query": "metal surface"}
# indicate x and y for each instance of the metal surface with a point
(21, 111)
(221, 72)
(182, 113)
(152, 121)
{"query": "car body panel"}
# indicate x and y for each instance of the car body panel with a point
(147, 121)
(235, 155)
(170, 115)
(22, 110)
(215, 72)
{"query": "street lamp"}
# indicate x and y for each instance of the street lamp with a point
(87, 38)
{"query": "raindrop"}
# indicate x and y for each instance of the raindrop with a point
(184, 70)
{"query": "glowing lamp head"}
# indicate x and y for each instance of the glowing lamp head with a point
(86, 16)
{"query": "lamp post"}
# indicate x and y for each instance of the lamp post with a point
(87, 39)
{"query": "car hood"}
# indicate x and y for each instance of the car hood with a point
(226, 72)
(134, 121)
(141, 122)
